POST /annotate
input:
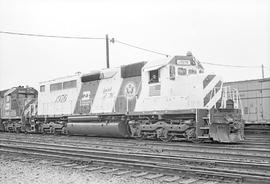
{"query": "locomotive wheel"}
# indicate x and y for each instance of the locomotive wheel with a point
(167, 139)
(43, 131)
(51, 130)
(191, 136)
(64, 131)
(165, 136)
(140, 137)
(55, 132)
(17, 130)
(197, 141)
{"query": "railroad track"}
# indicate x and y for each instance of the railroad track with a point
(251, 141)
(220, 152)
(199, 160)
(257, 129)
(148, 146)
(168, 164)
(247, 155)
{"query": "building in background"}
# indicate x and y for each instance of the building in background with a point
(255, 99)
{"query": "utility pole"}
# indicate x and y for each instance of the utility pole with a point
(262, 71)
(107, 51)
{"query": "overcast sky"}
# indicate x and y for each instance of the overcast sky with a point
(223, 32)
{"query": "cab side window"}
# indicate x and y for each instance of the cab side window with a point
(153, 76)
(8, 98)
(191, 71)
(172, 72)
(182, 71)
(42, 88)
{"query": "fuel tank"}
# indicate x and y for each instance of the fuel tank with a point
(92, 127)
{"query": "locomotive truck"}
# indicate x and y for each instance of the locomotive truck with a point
(168, 99)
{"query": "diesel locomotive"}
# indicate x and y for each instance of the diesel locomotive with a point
(169, 99)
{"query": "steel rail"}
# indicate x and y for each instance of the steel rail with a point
(178, 151)
(150, 164)
(141, 155)
(172, 146)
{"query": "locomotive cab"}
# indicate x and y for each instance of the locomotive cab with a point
(173, 83)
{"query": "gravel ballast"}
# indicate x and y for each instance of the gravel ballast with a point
(40, 171)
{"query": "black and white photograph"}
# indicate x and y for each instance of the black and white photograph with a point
(134, 92)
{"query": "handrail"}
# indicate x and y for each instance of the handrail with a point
(232, 94)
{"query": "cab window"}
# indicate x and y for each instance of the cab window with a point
(20, 95)
(182, 71)
(8, 98)
(172, 72)
(192, 71)
(201, 71)
(42, 88)
(153, 76)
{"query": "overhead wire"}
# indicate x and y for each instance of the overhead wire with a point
(235, 66)
(80, 37)
(167, 55)
(52, 36)
(134, 46)
(120, 42)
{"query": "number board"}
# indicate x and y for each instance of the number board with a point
(182, 62)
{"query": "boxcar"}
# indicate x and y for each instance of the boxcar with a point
(255, 98)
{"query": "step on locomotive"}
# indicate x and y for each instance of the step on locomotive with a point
(169, 99)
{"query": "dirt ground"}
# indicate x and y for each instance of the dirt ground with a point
(39, 172)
